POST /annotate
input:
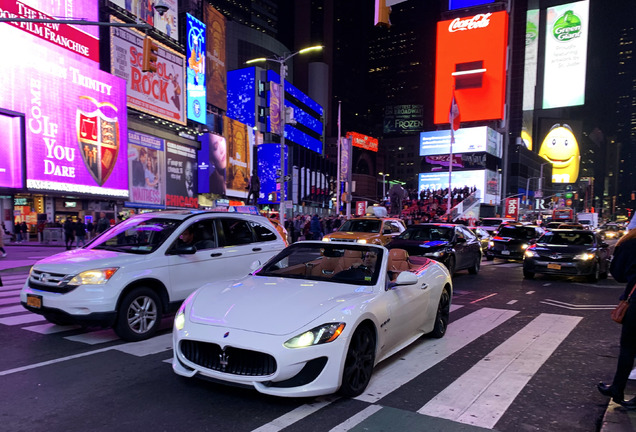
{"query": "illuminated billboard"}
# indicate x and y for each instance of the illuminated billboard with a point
(403, 119)
(241, 95)
(11, 151)
(181, 176)
(159, 94)
(268, 156)
(567, 29)
(147, 168)
(75, 117)
(195, 69)
(363, 141)
(467, 140)
(531, 54)
(471, 58)
(460, 4)
(167, 23)
(486, 181)
(561, 149)
(215, 68)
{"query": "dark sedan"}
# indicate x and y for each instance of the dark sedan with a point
(569, 253)
(511, 241)
(453, 245)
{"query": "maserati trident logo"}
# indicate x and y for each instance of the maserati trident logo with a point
(223, 360)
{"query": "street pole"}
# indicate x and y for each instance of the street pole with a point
(339, 162)
(282, 144)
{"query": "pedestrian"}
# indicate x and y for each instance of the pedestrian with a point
(4, 253)
(623, 269)
(17, 230)
(25, 231)
(102, 224)
(90, 229)
(80, 233)
(69, 233)
(315, 228)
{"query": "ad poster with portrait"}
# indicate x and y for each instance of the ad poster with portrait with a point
(239, 144)
(215, 69)
(147, 168)
(166, 22)
(212, 167)
(181, 176)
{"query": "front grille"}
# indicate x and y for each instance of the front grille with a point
(49, 282)
(342, 240)
(230, 360)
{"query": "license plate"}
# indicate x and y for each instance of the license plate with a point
(34, 301)
(554, 266)
(505, 252)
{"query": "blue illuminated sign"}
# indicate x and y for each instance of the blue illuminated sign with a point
(241, 95)
(195, 81)
(460, 4)
(268, 165)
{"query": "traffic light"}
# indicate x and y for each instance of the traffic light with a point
(151, 50)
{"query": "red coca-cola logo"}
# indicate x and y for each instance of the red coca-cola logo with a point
(478, 21)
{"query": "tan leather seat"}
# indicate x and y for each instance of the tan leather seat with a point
(351, 257)
(326, 266)
(398, 260)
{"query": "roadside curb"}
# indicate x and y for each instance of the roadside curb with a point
(617, 418)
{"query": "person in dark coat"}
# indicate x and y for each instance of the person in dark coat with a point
(623, 269)
(315, 228)
(25, 231)
(80, 233)
(69, 233)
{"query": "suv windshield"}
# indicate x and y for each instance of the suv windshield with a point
(361, 225)
(427, 233)
(517, 232)
(139, 235)
(567, 238)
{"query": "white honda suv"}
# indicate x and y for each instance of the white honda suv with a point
(142, 268)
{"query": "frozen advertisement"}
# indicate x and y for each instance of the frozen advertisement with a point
(565, 55)
(181, 176)
(75, 117)
(268, 156)
(147, 168)
(215, 69)
(467, 140)
(531, 54)
(239, 151)
(81, 40)
(11, 156)
(471, 58)
(561, 149)
(160, 94)
(363, 141)
(167, 23)
(485, 181)
(403, 119)
(195, 82)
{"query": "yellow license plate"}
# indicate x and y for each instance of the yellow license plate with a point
(34, 301)
(554, 266)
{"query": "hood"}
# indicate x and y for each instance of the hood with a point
(545, 248)
(269, 305)
(352, 235)
(417, 245)
(77, 260)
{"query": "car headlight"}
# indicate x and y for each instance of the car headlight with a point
(531, 254)
(326, 239)
(93, 277)
(491, 244)
(362, 241)
(524, 246)
(584, 256)
(322, 334)
(179, 318)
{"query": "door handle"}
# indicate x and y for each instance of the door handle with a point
(256, 249)
(214, 255)
(424, 286)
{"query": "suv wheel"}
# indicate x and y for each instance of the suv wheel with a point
(139, 315)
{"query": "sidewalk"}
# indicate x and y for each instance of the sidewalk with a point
(21, 256)
(617, 418)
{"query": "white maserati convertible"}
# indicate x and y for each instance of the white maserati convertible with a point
(313, 320)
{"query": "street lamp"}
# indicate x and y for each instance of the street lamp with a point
(384, 176)
(282, 60)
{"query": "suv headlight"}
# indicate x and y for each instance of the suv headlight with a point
(93, 277)
(531, 254)
(322, 334)
(584, 256)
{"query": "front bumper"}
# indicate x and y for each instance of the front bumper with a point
(572, 268)
(300, 372)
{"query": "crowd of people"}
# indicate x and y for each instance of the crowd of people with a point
(430, 205)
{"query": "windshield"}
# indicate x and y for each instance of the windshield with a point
(517, 232)
(350, 264)
(140, 235)
(361, 225)
(567, 238)
(427, 233)
(491, 222)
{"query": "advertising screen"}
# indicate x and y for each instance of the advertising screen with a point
(215, 68)
(530, 64)
(240, 139)
(363, 141)
(11, 156)
(147, 168)
(181, 176)
(80, 40)
(195, 81)
(160, 93)
(168, 23)
(471, 57)
(403, 119)
(561, 149)
(567, 29)
(241, 95)
(468, 140)
(268, 168)
(460, 4)
(75, 117)
(212, 164)
(486, 182)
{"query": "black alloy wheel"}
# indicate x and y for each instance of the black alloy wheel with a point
(443, 314)
(595, 275)
(450, 265)
(358, 365)
(474, 269)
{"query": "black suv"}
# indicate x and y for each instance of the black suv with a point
(512, 240)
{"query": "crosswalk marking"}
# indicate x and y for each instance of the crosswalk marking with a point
(11, 287)
(94, 337)
(6, 301)
(296, 415)
(150, 346)
(357, 419)
(481, 396)
(14, 293)
(49, 328)
(11, 309)
(21, 319)
(429, 353)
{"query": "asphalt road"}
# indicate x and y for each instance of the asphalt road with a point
(520, 355)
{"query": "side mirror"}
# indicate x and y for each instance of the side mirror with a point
(255, 266)
(183, 250)
(406, 278)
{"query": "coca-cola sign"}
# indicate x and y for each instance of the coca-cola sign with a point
(478, 21)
